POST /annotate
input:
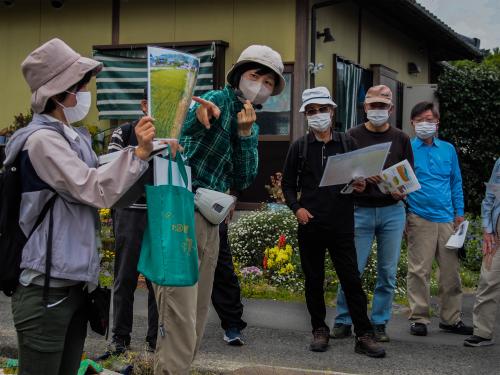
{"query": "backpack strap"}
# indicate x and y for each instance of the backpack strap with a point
(127, 133)
(343, 140)
(48, 257)
(302, 160)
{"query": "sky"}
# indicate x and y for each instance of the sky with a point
(473, 18)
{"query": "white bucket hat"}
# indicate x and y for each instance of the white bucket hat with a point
(316, 95)
(263, 55)
(53, 68)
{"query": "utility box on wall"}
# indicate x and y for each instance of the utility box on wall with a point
(414, 94)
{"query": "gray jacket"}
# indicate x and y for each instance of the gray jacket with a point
(57, 161)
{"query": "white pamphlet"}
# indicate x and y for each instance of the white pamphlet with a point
(160, 172)
(457, 239)
(399, 178)
(494, 188)
(107, 158)
(365, 162)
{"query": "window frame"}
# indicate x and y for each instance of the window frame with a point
(288, 68)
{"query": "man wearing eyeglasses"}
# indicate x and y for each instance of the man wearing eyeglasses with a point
(377, 215)
(326, 221)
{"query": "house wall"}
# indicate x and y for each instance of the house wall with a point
(380, 44)
(83, 24)
(28, 24)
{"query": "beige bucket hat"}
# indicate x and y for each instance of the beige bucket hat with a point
(263, 55)
(53, 68)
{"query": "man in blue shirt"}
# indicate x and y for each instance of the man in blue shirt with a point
(488, 293)
(435, 211)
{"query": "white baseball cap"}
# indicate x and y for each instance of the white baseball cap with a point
(316, 95)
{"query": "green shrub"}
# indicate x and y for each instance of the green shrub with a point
(469, 101)
(473, 244)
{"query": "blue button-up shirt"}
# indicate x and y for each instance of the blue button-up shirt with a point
(436, 166)
(490, 208)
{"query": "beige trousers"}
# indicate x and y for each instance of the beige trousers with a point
(488, 296)
(426, 242)
(183, 311)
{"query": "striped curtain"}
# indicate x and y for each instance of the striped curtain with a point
(121, 82)
(348, 85)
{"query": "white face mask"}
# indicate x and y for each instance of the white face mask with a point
(377, 117)
(254, 91)
(319, 122)
(80, 110)
(425, 130)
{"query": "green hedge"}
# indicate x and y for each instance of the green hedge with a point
(469, 100)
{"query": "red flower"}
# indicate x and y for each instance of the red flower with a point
(264, 263)
(282, 241)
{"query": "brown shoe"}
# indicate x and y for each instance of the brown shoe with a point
(367, 345)
(321, 336)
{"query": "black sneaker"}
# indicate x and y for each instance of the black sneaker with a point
(321, 337)
(459, 328)
(418, 329)
(477, 341)
(341, 331)
(367, 345)
(233, 337)
(116, 347)
(150, 346)
(380, 334)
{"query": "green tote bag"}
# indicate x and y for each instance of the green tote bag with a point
(169, 254)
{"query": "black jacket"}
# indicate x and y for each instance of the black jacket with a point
(330, 209)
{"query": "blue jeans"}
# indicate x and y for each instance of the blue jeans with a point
(387, 225)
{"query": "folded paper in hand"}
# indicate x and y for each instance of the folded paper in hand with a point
(158, 147)
(399, 178)
(457, 239)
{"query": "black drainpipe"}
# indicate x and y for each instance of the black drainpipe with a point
(313, 31)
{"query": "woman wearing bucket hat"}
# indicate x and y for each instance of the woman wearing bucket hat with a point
(220, 138)
(59, 177)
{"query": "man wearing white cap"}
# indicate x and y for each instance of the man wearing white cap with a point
(326, 220)
(220, 139)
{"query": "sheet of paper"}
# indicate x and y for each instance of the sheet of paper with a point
(160, 166)
(399, 178)
(171, 80)
(365, 162)
(457, 239)
(494, 188)
(107, 158)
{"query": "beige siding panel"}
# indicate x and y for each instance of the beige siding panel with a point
(30, 23)
(342, 19)
(380, 44)
(143, 21)
(383, 44)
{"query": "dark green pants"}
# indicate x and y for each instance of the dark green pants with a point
(51, 336)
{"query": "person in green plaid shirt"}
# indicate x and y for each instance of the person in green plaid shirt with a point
(220, 139)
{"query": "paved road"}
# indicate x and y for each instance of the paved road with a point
(279, 334)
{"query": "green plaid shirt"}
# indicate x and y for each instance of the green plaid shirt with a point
(219, 158)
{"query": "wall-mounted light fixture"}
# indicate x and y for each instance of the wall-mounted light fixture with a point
(413, 68)
(57, 3)
(327, 34)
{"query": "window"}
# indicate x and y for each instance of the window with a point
(275, 117)
(121, 83)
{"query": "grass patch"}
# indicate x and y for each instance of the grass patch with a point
(167, 94)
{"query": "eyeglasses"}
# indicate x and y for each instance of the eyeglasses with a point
(313, 111)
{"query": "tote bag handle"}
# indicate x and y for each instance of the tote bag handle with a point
(180, 165)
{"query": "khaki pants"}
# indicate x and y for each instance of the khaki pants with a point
(183, 311)
(426, 241)
(488, 296)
